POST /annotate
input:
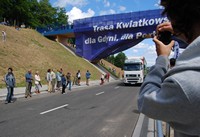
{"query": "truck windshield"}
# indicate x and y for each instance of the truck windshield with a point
(132, 67)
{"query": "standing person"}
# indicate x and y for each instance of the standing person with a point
(102, 79)
(53, 82)
(49, 80)
(61, 71)
(108, 76)
(78, 75)
(10, 84)
(87, 75)
(173, 96)
(37, 82)
(4, 36)
(58, 78)
(69, 80)
(64, 84)
(29, 79)
(75, 80)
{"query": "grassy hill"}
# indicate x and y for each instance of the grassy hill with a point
(27, 49)
(109, 66)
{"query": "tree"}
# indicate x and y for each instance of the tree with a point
(6, 8)
(32, 13)
(33, 20)
(111, 59)
(119, 60)
(46, 13)
(61, 16)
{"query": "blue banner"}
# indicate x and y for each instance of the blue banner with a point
(99, 37)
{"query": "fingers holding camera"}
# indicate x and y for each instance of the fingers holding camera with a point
(166, 26)
(161, 48)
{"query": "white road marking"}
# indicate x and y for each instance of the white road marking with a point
(54, 109)
(100, 93)
(116, 87)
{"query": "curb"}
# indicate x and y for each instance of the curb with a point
(138, 127)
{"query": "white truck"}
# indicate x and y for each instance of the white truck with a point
(135, 70)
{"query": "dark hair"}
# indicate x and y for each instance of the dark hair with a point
(183, 14)
(172, 62)
(10, 69)
(49, 70)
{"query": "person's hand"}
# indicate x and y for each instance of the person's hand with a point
(166, 26)
(161, 48)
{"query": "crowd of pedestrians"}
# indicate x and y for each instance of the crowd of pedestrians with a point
(56, 81)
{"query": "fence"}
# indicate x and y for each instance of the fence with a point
(52, 28)
(159, 129)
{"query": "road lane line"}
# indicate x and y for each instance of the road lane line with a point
(117, 87)
(100, 93)
(54, 109)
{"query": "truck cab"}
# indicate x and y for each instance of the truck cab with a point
(134, 70)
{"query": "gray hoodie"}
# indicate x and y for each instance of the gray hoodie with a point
(173, 95)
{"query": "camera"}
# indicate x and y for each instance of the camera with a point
(165, 37)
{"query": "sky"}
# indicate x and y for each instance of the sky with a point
(77, 9)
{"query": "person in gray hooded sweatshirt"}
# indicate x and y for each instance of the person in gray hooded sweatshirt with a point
(173, 95)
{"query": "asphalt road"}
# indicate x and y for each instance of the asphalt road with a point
(100, 111)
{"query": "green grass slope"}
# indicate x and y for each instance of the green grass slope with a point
(27, 49)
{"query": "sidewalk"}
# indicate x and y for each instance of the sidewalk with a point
(20, 91)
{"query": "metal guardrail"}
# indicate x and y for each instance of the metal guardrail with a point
(159, 129)
(49, 29)
(155, 128)
(167, 130)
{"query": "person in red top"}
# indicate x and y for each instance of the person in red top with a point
(108, 76)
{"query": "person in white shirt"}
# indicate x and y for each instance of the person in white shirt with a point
(78, 74)
(37, 82)
(3, 36)
(53, 82)
(49, 80)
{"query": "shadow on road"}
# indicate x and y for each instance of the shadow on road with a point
(136, 111)
(129, 85)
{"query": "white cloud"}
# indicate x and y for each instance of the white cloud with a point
(122, 8)
(141, 45)
(143, 49)
(64, 3)
(106, 12)
(106, 3)
(135, 51)
(76, 13)
(151, 50)
(158, 5)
